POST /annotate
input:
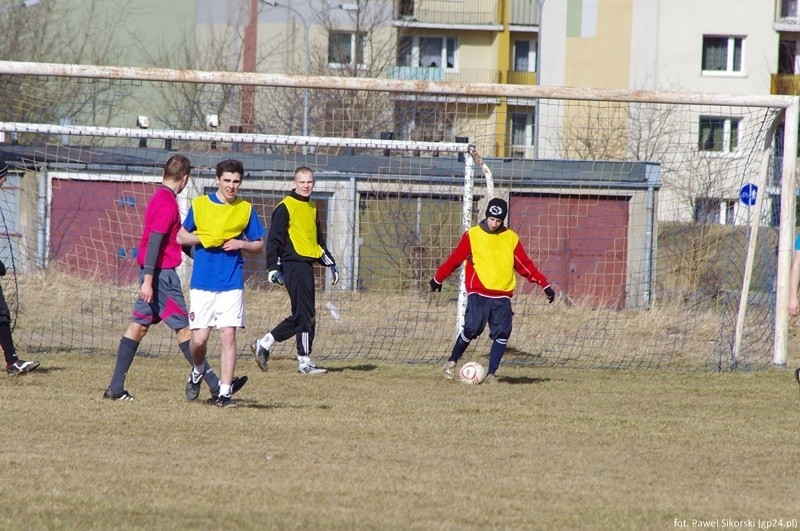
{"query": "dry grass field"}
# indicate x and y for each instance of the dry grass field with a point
(375, 445)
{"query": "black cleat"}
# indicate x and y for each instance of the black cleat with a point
(237, 384)
(21, 367)
(123, 396)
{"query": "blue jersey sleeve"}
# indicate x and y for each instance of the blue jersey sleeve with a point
(189, 223)
(254, 230)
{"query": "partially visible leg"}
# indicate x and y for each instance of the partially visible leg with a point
(462, 342)
(6, 341)
(300, 284)
(290, 326)
(474, 323)
(227, 336)
(199, 347)
(128, 345)
(500, 319)
(184, 336)
(172, 310)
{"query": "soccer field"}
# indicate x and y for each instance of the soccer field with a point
(395, 446)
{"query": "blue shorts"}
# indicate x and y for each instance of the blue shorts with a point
(168, 303)
(482, 310)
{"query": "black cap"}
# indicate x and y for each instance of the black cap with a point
(497, 208)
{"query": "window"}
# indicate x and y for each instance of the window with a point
(524, 56)
(789, 9)
(788, 57)
(520, 125)
(406, 9)
(714, 210)
(429, 52)
(346, 48)
(722, 54)
(720, 135)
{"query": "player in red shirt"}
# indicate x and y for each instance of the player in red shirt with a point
(493, 253)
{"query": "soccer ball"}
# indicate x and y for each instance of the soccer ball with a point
(472, 373)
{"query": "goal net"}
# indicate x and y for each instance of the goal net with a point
(660, 218)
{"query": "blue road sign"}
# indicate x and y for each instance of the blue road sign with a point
(748, 194)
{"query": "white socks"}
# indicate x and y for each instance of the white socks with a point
(267, 341)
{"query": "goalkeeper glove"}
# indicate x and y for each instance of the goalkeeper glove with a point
(435, 286)
(334, 274)
(551, 295)
(276, 277)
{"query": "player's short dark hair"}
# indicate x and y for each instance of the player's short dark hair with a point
(230, 166)
(176, 167)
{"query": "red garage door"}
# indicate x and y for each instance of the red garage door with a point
(96, 226)
(579, 242)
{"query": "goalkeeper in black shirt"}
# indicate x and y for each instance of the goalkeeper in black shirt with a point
(294, 244)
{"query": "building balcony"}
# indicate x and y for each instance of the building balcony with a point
(785, 85)
(523, 13)
(462, 75)
(521, 78)
(446, 14)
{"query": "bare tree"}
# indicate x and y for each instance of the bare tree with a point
(55, 32)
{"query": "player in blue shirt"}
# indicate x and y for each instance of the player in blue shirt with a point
(219, 226)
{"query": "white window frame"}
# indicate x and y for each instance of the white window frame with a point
(729, 60)
(353, 49)
(727, 135)
(415, 55)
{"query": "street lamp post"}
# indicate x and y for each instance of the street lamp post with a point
(307, 21)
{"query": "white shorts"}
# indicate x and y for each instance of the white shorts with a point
(218, 309)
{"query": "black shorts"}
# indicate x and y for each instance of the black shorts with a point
(482, 310)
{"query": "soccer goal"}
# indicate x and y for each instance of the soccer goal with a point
(664, 220)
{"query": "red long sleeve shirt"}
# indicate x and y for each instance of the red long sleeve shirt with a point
(492, 258)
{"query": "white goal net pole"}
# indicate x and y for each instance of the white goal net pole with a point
(786, 234)
(466, 221)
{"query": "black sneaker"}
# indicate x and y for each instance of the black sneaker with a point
(21, 367)
(237, 384)
(124, 395)
(797, 375)
(261, 354)
(225, 401)
(192, 387)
